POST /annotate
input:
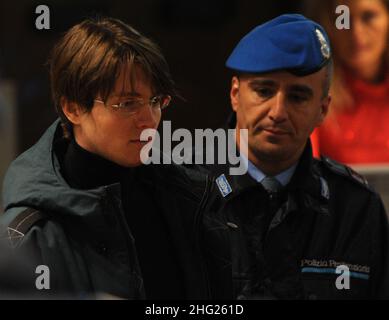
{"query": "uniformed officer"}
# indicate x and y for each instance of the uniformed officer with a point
(299, 227)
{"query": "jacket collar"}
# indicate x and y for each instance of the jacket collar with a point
(35, 180)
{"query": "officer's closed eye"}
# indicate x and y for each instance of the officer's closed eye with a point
(297, 98)
(264, 92)
(299, 94)
(293, 97)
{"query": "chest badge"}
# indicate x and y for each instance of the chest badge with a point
(223, 185)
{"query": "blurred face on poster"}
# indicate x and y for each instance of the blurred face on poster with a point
(364, 45)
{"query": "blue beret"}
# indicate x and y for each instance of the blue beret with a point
(289, 42)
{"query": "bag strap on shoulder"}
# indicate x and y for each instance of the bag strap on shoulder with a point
(22, 224)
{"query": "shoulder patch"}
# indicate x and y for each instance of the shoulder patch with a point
(357, 176)
(223, 185)
(346, 171)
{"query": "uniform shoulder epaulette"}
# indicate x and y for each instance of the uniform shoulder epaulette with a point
(346, 171)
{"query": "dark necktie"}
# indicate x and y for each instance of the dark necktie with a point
(273, 188)
(271, 185)
(256, 288)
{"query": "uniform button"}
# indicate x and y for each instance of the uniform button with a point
(102, 249)
(232, 225)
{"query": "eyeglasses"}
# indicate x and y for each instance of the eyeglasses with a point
(133, 106)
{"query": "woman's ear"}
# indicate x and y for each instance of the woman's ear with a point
(71, 110)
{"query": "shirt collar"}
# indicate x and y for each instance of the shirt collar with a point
(284, 177)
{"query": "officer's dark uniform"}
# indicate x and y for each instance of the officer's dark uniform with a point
(329, 226)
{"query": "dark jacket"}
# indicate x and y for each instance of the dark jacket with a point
(331, 217)
(82, 235)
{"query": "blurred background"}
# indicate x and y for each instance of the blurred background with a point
(195, 36)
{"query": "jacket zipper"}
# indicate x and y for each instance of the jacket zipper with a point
(197, 228)
(129, 241)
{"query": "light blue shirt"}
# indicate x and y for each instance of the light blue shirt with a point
(255, 173)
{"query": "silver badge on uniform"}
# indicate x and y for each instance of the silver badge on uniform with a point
(223, 185)
(324, 47)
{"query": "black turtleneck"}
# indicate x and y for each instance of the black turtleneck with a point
(86, 170)
(161, 272)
